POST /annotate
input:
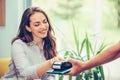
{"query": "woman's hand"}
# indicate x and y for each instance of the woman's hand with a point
(55, 59)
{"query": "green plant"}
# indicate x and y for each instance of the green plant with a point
(89, 50)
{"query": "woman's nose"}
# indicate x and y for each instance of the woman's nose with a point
(43, 25)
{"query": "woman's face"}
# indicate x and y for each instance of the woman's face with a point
(38, 26)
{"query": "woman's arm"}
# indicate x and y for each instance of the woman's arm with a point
(43, 67)
(23, 65)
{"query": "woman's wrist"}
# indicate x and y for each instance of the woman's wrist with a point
(51, 61)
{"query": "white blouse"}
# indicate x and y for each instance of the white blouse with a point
(26, 57)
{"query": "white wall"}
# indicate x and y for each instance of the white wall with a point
(13, 12)
(112, 70)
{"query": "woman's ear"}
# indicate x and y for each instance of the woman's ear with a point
(28, 28)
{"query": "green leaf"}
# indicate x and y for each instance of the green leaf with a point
(61, 77)
(101, 72)
(95, 75)
(82, 46)
(102, 46)
(76, 37)
(70, 77)
(70, 54)
(90, 47)
(79, 77)
(87, 47)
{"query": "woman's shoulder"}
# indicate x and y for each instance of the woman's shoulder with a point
(18, 41)
(18, 44)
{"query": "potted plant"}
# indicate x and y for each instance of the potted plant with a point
(89, 51)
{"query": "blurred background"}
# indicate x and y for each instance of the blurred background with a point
(98, 18)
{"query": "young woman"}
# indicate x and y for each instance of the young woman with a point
(34, 48)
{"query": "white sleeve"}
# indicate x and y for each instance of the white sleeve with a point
(21, 62)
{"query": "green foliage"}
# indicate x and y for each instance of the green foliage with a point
(117, 6)
(87, 47)
(61, 77)
(118, 10)
(68, 9)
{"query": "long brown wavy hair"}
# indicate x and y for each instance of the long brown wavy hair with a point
(26, 36)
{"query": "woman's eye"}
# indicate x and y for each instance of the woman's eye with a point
(36, 24)
(45, 21)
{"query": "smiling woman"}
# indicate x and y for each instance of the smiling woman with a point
(2, 12)
(33, 50)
